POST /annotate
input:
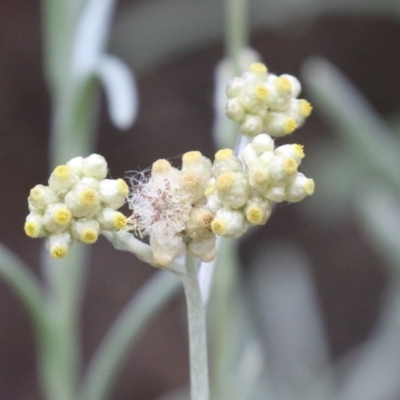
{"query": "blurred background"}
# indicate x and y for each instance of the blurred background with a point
(321, 274)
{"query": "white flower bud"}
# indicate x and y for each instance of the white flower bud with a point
(299, 188)
(194, 161)
(279, 124)
(249, 156)
(83, 201)
(57, 218)
(85, 230)
(95, 166)
(259, 177)
(233, 189)
(204, 249)
(252, 125)
(235, 87)
(213, 202)
(59, 244)
(75, 165)
(166, 248)
(229, 223)
(265, 159)
(198, 226)
(276, 194)
(225, 161)
(62, 179)
(257, 210)
(34, 226)
(235, 110)
(282, 169)
(295, 86)
(262, 143)
(40, 197)
(113, 192)
(299, 110)
(111, 220)
(294, 151)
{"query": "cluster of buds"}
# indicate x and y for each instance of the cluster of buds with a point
(78, 204)
(263, 102)
(169, 206)
(242, 191)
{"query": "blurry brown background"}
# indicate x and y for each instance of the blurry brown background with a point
(175, 116)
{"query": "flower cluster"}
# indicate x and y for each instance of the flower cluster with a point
(169, 206)
(77, 204)
(239, 195)
(263, 102)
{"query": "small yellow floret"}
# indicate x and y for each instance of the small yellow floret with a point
(119, 220)
(190, 179)
(258, 68)
(59, 252)
(161, 167)
(62, 216)
(283, 84)
(305, 108)
(299, 150)
(261, 91)
(191, 156)
(223, 154)
(225, 181)
(88, 235)
(289, 125)
(254, 215)
(309, 187)
(36, 193)
(122, 187)
(289, 166)
(62, 172)
(219, 227)
(32, 229)
(88, 197)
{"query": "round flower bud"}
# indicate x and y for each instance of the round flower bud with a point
(299, 188)
(83, 201)
(235, 110)
(276, 194)
(62, 179)
(252, 125)
(205, 250)
(232, 189)
(111, 220)
(262, 143)
(194, 161)
(198, 226)
(295, 85)
(75, 165)
(225, 161)
(249, 155)
(57, 218)
(235, 87)
(95, 166)
(34, 226)
(282, 169)
(294, 151)
(85, 230)
(257, 210)
(59, 244)
(113, 192)
(166, 249)
(40, 197)
(161, 166)
(229, 223)
(213, 202)
(280, 124)
(259, 178)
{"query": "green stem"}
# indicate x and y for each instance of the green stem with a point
(151, 299)
(199, 385)
(236, 31)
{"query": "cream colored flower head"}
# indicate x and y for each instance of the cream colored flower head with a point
(263, 102)
(78, 204)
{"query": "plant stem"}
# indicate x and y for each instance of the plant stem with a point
(197, 333)
(236, 33)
